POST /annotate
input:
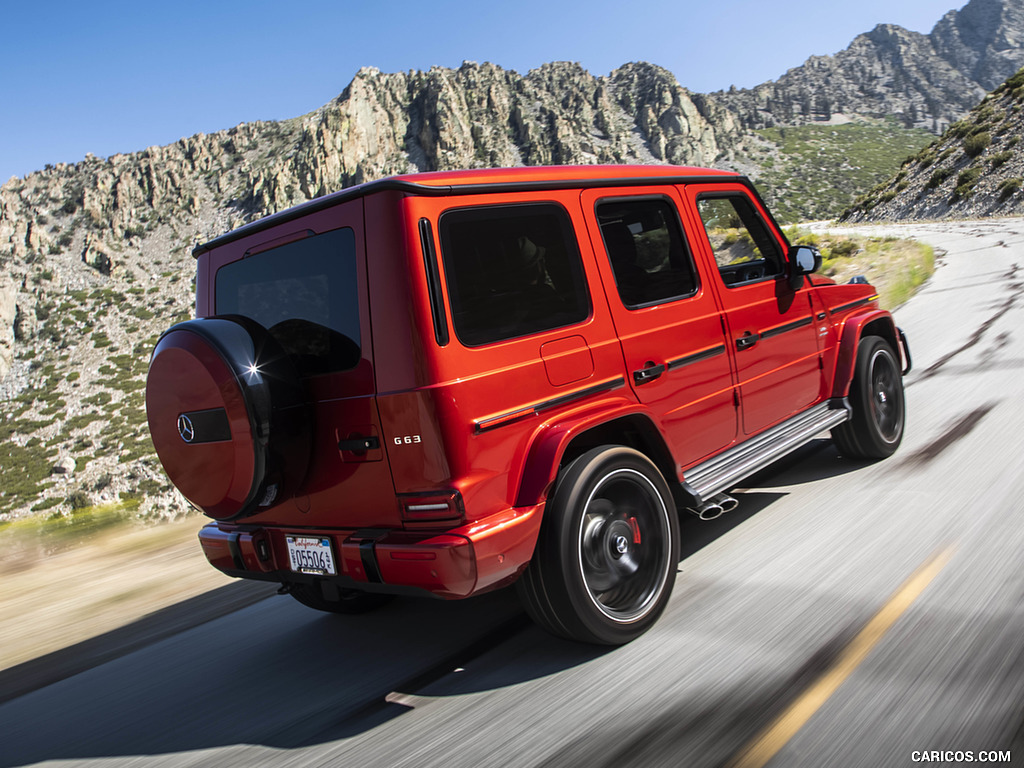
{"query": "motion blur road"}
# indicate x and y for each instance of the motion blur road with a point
(795, 609)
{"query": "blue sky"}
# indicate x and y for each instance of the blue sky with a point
(106, 77)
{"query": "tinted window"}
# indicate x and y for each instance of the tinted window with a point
(743, 247)
(305, 293)
(646, 249)
(511, 271)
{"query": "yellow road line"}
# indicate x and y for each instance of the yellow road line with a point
(774, 737)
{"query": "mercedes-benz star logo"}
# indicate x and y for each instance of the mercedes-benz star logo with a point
(185, 428)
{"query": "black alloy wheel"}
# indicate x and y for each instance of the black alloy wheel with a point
(605, 563)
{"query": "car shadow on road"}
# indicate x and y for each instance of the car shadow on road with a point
(816, 461)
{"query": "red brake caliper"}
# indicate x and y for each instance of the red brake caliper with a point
(636, 529)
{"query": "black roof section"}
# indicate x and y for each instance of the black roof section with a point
(393, 184)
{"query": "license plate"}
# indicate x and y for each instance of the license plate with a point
(311, 554)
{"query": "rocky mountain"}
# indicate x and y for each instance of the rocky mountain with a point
(95, 257)
(976, 168)
(925, 81)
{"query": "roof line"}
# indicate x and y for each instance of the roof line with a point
(392, 184)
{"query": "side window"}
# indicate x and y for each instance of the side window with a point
(744, 249)
(511, 271)
(305, 293)
(646, 249)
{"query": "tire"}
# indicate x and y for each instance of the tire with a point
(875, 429)
(605, 561)
(350, 601)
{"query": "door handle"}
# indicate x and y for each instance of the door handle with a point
(648, 373)
(747, 340)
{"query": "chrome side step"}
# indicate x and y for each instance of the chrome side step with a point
(705, 480)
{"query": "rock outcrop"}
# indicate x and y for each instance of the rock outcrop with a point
(925, 81)
(482, 115)
(8, 313)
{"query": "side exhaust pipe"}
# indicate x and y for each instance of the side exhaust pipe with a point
(717, 506)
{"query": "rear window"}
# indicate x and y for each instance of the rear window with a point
(305, 293)
(512, 271)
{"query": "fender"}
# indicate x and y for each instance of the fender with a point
(550, 443)
(876, 322)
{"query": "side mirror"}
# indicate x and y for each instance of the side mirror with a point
(803, 260)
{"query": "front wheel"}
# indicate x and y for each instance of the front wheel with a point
(875, 428)
(605, 561)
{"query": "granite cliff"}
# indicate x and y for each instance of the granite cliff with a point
(925, 81)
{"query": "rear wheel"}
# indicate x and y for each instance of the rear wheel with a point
(604, 566)
(875, 428)
(347, 600)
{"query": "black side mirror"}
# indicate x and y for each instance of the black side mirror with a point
(803, 260)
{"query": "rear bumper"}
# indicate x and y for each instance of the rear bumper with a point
(456, 563)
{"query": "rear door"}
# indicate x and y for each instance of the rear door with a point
(665, 314)
(306, 282)
(769, 324)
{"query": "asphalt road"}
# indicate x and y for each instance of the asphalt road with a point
(846, 614)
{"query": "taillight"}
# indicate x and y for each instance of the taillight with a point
(433, 506)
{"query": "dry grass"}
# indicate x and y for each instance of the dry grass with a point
(896, 267)
(54, 596)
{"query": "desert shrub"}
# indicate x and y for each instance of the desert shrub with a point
(938, 177)
(79, 500)
(53, 501)
(1000, 158)
(966, 182)
(959, 129)
(845, 248)
(1016, 81)
(970, 176)
(926, 156)
(976, 144)
(1010, 187)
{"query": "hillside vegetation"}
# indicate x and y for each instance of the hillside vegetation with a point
(815, 169)
(976, 168)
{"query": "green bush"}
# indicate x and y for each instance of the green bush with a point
(1000, 158)
(976, 144)
(845, 248)
(1010, 187)
(46, 504)
(970, 176)
(1017, 81)
(926, 158)
(938, 177)
(959, 129)
(966, 182)
(79, 500)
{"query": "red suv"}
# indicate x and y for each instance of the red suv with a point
(447, 383)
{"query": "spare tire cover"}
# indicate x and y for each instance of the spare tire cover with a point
(227, 415)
